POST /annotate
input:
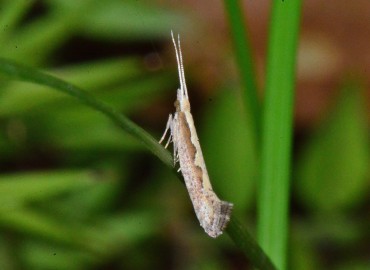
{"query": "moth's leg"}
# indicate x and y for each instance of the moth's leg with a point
(170, 139)
(175, 160)
(168, 127)
(174, 128)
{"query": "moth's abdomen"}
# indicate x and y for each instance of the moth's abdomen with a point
(213, 214)
(224, 215)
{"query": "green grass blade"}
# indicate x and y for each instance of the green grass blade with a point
(244, 60)
(23, 73)
(277, 131)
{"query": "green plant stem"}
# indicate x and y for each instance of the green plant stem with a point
(244, 59)
(27, 74)
(248, 245)
(277, 131)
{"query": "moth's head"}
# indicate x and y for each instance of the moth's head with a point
(182, 103)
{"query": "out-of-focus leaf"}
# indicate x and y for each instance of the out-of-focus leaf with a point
(19, 97)
(38, 256)
(94, 201)
(229, 149)
(333, 230)
(345, 231)
(10, 14)
(24, 73)
(79, 129)
(333, 169)
(30, 222)
(102, 73)
(72, 127)
(120, 232)
(34, 42)
(302, 252)
(17, 189)
(355, 264)
(100, 238)
(6, 253)
(126, 20)
(140, 91)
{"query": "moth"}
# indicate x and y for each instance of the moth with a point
(212, 213)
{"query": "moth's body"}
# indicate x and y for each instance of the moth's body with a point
(213, 214)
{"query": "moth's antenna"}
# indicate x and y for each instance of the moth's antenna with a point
(180, 66)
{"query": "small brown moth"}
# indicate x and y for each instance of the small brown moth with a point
(213, 214)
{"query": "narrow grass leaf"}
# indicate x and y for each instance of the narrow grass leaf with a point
(244, 59)
(273, 201)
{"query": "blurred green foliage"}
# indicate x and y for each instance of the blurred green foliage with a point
(232, 134)
(336, 158)
(63, 199)
(332, 184)
(78, 193)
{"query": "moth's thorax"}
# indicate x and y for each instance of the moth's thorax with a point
(184, 105)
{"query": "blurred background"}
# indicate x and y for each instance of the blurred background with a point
(76, 192)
